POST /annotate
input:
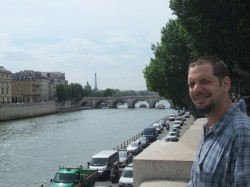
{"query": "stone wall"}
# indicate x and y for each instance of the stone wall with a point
(26, 110)
(168, 164)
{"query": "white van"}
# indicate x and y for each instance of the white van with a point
(104, 161)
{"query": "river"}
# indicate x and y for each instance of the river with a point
(31, 150)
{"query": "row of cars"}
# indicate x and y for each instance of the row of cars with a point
(178, 122)
(149, 135)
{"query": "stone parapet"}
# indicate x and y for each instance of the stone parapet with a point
(168, 163)
(26, 110)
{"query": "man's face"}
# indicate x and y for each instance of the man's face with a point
(205, 89)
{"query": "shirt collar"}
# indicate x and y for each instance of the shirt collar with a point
(221, 124)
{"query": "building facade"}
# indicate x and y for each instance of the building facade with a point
(5, 82)
(35, 86)
(26, 86)
(54, 78)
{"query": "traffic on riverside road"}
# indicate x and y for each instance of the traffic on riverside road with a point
(124, 174)
(161, 137)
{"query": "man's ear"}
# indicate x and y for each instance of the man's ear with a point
(226, 84)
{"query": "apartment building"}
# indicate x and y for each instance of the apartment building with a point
(5, 82)
(35, 86)
(55, 79)
(26, 86)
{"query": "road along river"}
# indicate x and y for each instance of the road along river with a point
(184, 128)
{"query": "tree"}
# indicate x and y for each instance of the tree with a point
(72, 92)
(220, 28)
(60, 92)
(217, 27)
(77, 92)
(167, 72)
(108, 92)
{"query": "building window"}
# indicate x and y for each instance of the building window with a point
(2, 91)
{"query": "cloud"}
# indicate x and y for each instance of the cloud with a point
(112, 38)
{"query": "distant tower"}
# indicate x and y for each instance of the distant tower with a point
(95, 88)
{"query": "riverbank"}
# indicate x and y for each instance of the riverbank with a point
(73, 109)
(26, 110)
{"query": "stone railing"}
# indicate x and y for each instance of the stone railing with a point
(168, 163)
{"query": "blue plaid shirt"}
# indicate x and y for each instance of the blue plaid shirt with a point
(223, 156)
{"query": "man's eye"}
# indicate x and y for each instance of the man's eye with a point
(205, 81)
(191, 85)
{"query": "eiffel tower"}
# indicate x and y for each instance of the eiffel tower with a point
(95, 88)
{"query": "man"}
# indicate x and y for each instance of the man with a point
(223, 156)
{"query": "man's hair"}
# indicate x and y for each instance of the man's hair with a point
(220, 69)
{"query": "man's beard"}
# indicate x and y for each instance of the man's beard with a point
(205, 109)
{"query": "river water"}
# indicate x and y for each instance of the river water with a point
(31, 150)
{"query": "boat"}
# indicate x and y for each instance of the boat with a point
(104, 105)
(160, 106)
(143, 106)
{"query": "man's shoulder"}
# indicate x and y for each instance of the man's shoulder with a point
(240, 124)
(239, 118)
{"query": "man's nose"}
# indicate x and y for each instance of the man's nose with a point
(197, 88)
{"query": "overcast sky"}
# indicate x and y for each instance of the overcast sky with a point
(80, 38)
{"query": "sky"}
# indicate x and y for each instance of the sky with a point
(111, 38)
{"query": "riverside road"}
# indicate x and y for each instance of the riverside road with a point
(184, 128)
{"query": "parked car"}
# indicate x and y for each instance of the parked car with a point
(125, 157)
(150, 133)
(187, 114)
(158, 127)
(172, 136)
(134, 147)
(177, 124)
(174, 129)
(179, 118)
(163, 122)
(144, 141)
(171, 117)
(126, 179)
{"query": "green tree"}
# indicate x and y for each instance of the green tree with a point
(216, 27)
(96, 93)
(108, 92)
(72, 92)
(219, 28)
(60, 92)
(167, 72)
(77, 92)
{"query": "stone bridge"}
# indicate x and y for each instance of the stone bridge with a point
(96, 102)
